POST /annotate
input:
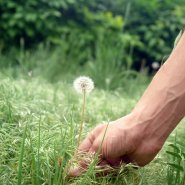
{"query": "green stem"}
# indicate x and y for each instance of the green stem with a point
(38, 155)
(21, 157)
(82, 118)
(65, 172)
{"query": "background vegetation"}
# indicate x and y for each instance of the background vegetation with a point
(143, 30)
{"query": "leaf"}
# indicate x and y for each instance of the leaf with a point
(31, 17)
(178, 167)
(175, 147)
(174, 154)
(182, 144)
(183, 154)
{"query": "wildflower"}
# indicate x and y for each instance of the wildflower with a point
(155, 65)
(83, 84)
(30, 73)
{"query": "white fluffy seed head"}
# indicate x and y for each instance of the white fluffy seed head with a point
(83, 84)
(155, 65)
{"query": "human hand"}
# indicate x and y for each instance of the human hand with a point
(138, 137)
(124, 141)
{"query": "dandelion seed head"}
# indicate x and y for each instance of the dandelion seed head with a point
(83, 84)
(155, 65)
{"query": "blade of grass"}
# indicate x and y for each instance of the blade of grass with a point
(21, 157)
(38, 155)
(95, 161)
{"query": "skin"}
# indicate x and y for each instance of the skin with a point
(139, 136)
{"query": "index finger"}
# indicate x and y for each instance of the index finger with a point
(84, 154)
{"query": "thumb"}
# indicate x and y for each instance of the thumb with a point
(85, 153)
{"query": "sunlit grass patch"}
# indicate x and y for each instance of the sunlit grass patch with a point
(39, 123)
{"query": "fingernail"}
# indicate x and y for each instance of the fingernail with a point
(74, 171)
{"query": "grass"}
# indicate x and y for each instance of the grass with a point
(39, 122)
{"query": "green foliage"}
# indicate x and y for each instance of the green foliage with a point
(107, 37)
(157, 23)
(36, 21)
(51, 114)
(32, 20)
(176, 164)
(110, 65)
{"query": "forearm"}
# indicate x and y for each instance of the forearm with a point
(162, 106)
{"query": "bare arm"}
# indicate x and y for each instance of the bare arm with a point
(162, 105)
(139, 136)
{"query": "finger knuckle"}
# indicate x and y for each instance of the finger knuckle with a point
(100, 126)
(96, 146)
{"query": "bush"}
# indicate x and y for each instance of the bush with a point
(157, 23)
(37, 21)
(144, 30)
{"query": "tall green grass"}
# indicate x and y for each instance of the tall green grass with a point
(38, 127)
(176, 164)
(39, 116)
(109, 64)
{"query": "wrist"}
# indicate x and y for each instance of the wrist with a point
(161, 107)
(156, 122)
(143, 141)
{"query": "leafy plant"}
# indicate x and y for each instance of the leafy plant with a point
(157, 24)
(111, 64)
(176, 164)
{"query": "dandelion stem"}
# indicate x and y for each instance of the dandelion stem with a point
(82, 117)
(65, 171)
(82, 85)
